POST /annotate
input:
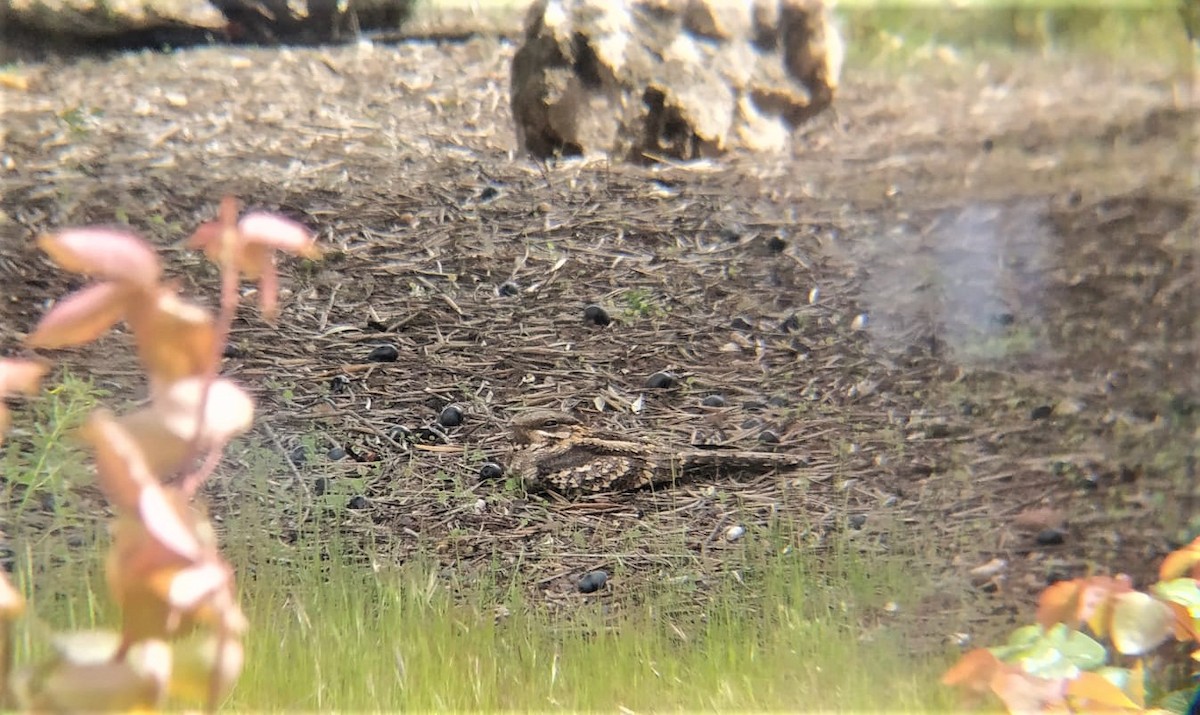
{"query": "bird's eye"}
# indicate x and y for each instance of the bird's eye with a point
(550, 423)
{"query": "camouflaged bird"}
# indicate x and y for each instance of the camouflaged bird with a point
(558, 452)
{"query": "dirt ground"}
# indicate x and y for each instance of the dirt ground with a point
(968, 298)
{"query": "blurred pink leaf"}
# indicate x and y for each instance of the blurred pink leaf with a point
(175, 338)
(18, 376)
(82, 316)
(249, 246)
(104, 253)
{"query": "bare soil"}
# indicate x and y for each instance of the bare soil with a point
(968, 298)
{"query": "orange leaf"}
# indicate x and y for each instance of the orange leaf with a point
(1185, 624)
(974, 670)
(1024, 693)
(1060, 604)
(1097, 598)
(106, 253)
(1089, 690)
(120, 465)
(175, 339)
(139, 572)
(1181, 562)
(82, 316)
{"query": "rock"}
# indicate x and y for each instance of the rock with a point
(1050, 537)
(384, 353)
(298, 456)
(639, 79)
(451, 416)
(89, 25)
(713, 401)
(490, 470)
(596, 315)
(592, 581)
(662, 381)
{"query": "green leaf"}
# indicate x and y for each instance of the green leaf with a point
(1057, 653)
(1184, 591)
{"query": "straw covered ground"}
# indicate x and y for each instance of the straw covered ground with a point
(953, 409)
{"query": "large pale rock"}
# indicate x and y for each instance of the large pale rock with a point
(74, 25)
(641, 79)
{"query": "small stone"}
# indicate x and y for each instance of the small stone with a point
(335, 454)
(751, 423)
(432, 434)
(298, 456)
(358, 501)
(1041, 412)
(857, 521)
(384, 353)
(490, 470)
(740, 323)
(1051, 537)
(778, 401)
(338, 384)
(508, 289)
(775, 244)
(320, 486)
(714, 401)
(593, 581)
(662, 381)
(451, 416)
(231, 351)
(489, 193)
(768, 437)
(735, 533)
(595, 315)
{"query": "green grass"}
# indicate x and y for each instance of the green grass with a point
(328, 634)
(333, 635)
(780, 627)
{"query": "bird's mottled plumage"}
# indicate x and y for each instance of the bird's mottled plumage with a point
(556, 451)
